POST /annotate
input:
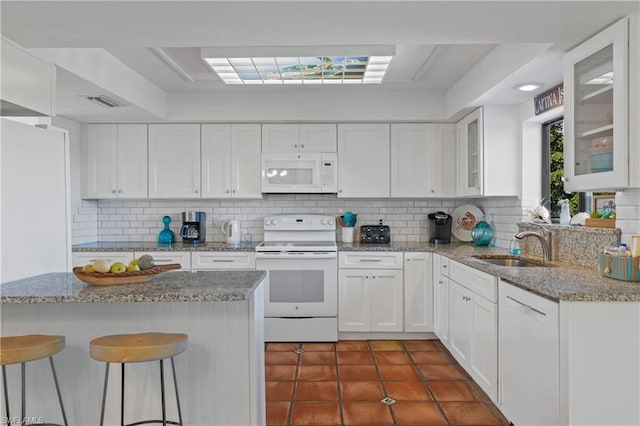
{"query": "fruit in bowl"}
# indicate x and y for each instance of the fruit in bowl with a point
(118, 268)
(102, 266)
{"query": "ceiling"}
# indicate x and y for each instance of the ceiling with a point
(436, 42)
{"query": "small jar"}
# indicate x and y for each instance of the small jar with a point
(514, 247)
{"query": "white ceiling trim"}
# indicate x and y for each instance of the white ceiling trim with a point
(173, 64)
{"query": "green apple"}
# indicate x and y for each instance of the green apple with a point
(118, 268)
(133, 267)
(102, 266)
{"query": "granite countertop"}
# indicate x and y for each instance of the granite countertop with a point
(182, 286)
(558, 282)
(153, 246)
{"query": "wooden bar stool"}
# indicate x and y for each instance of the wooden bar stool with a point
(128, 348)
(22, 349)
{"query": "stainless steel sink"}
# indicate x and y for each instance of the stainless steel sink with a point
(510, 261)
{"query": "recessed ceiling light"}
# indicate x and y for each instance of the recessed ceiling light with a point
(301, 70)
(529, 87)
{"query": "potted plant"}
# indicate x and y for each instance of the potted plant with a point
(604, 219)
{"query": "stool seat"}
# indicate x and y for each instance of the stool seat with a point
(18, 349)
(124, 348)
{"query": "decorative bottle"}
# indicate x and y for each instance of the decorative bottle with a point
(166, 236)
(482, 234)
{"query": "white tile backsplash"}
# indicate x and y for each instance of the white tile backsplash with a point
(141, 220)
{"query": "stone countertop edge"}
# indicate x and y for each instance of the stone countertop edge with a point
(181, 286)
(153, 246)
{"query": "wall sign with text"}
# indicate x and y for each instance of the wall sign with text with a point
(549, 100)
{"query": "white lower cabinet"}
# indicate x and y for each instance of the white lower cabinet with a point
(167, 257)
(418, 292)
(81, 258)
(529, 357)
(473, 325)
(441, 298)
(370, 299)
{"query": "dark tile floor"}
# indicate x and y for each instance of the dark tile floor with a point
(346, 383)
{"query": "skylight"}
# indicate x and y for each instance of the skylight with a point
(301, 70)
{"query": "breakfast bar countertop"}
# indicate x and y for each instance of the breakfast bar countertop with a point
(181, 286)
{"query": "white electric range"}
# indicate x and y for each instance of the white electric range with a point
(299, 253)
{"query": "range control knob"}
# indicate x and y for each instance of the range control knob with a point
(331, 222)
(324, 221)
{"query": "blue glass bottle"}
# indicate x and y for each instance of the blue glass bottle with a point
(482, 234)
(166, 236)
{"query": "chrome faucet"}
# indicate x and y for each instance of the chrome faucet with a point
(544, 241)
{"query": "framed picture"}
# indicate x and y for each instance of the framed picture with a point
(604, 201)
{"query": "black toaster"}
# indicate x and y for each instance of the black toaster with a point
(375, 234)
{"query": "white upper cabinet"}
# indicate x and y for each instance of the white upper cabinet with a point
(422, 160)
(596, 87)
(231, 161)
(363, 160)
(174, 161)
(117, 161)
(28, 83)
(299, 138)
(488, 152)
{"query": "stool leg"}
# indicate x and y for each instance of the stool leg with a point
(6, 390)
(175, 383)
(55, 379)
(23, 375)
(164, 408)
(104, 394)
(122, 398)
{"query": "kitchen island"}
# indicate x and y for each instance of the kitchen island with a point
(220, 375)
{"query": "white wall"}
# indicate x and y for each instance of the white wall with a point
(84, 212)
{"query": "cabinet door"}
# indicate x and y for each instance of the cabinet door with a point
(460, 323)
(442, 167)
(441, 302)
(246, 180)
(363, 166)
(168, 257)
(596, 108)
(411, 160)
(223, 260)
(353, 302)
(216, 160)
(102, 150)
(280, 137)
(470, 141)
(418, 292)
(132, 161)
(174, 161)
(318, 138)
(385, 300)
(484, 353)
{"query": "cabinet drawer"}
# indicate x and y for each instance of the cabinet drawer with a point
(166, 257)
(370, 260)
(224, 260)
(477, 281)
(83, 257)
(444, 266)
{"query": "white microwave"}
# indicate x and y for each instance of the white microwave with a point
(300, 173)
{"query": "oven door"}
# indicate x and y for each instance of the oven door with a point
(291, 173)
(300, 285)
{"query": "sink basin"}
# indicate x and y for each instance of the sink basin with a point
(511, 262)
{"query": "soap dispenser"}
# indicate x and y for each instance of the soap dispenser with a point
(565, 215)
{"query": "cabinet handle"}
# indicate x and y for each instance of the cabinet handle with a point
(466, 299)
(222, 260)
(526, 306)
(444, 266)
(119, 191)
(301, 145)
(295, 146)
(227, 191)
(440, 282)
(373, 276)
(196, 191)
(113, 191)
(234, 191)
(371, 260)
(163, 260)
(340, 191)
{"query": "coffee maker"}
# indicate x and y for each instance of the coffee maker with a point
(193, 229)
(440, 227)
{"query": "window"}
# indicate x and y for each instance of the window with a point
(553, 171)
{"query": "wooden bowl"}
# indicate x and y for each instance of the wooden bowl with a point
(98, 278)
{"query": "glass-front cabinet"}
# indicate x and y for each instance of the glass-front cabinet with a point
(470, 149)
(596, 109)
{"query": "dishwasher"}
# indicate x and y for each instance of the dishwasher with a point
(529, 357)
